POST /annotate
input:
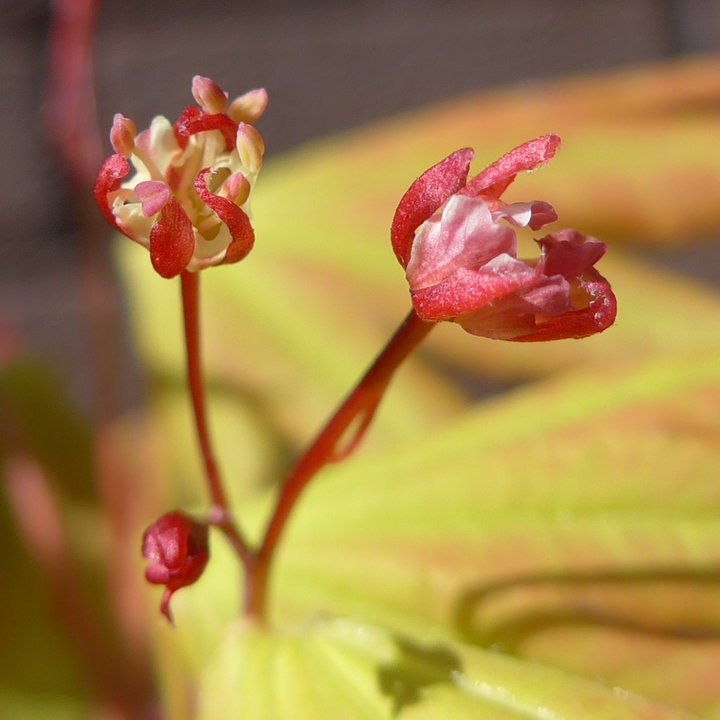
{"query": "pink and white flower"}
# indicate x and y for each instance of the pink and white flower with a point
(187, 200)
(456, 240)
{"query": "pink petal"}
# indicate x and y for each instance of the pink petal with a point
(172, 241)
(425, 196)
(237, 221)
(153, 195)
(109, 179)
(570, 253)
(534, 215)
(465, 235)
(193, 120)
(495, 178)
(515, 314)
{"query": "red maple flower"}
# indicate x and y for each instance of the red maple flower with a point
(456, 240)
(187, 200)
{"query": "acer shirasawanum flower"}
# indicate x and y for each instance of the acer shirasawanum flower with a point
(176, 546)
(187, 198)
(456, 240)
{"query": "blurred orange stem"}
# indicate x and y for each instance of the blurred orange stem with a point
(39, 519)
(331, 445)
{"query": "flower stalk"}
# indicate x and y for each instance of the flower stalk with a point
(332, 444)
(220, 515)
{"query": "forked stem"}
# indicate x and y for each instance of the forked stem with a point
(334, 442)
(359, 407)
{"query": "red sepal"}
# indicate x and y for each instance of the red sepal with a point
(495, 178)
(172, 241)
(113, 171)
(193, 120)
(467, 291)
(424, 197)
(237, 221)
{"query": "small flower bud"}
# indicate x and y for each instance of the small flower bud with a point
(176, 545)
(209, 95)
(122, 135)
(250, 146)
(237, 188)
(249, 107)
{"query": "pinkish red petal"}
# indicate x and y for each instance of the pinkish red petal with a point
(109, 179)
(495, 178)
(468, 291)
(570, 253)
(425, 196)
(596, 317)
(534, 215)
(237, 221)
(172, 241)
(193, 120)
(153, 195)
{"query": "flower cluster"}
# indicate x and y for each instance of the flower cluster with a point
(456, 240)
(187, 200)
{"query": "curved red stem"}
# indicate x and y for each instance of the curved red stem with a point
(360, 405)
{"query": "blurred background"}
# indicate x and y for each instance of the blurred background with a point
(329, 67)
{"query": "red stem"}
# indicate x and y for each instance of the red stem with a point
(360, 406)
(221, 516)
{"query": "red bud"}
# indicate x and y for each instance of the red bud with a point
(176, 546)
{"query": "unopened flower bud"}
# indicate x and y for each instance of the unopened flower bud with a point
(249, 107)
(251, 147)
(209, 95)
(122, 135)
(176, 546)
(237, 188)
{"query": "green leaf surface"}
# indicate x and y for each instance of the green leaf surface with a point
(561, 542)
(349, 671)
(573, 523)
